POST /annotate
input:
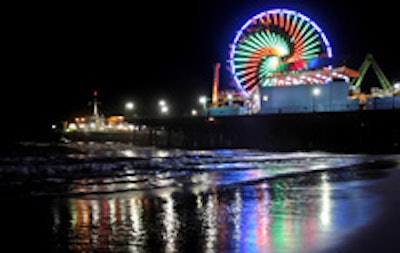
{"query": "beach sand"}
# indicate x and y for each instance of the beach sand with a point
(382, 235)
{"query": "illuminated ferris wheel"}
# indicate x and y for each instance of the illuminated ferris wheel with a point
(273, 43)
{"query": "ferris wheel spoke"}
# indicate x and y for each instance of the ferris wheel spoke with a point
(270, 43)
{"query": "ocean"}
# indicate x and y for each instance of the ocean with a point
(117, 197)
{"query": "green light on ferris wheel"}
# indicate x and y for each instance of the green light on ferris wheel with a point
(281, 35)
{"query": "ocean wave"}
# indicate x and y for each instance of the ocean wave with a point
(88, 168)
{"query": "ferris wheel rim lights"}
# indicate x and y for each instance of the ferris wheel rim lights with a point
(249, 22)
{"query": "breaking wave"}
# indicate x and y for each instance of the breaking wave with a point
(93, 168)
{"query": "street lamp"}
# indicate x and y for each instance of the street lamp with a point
(164, 109)
(203, 101)
(315, 93)
(395, 90)
(230, 97)
(163, 106)
(129, 106)
(161, 102)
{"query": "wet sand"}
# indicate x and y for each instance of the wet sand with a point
(382, 235)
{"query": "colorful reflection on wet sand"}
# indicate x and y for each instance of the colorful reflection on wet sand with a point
(300, 214)
(190, 201)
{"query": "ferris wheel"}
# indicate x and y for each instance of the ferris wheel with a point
(275, 42)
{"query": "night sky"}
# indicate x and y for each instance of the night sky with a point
(57, 54)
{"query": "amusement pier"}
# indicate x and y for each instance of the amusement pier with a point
(289, 94)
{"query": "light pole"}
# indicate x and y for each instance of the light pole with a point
(129, 106)
(163, 107)
(230, 97)
(203, 102)
(315, 93)
(395, 90)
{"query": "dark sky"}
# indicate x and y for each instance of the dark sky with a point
(58, 53)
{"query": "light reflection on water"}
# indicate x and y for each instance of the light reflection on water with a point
(198, 201)
(277, 216)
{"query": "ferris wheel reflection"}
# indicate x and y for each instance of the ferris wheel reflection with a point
(262, 217)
